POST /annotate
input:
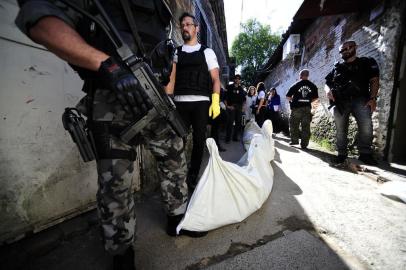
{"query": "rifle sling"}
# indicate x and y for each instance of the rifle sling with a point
(130, 18)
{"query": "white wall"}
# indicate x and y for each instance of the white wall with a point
(379, 39)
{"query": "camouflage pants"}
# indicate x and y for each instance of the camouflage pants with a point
(114, 197)
(300, 117)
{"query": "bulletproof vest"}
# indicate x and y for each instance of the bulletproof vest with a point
(192, 75)
(352, 79)
(151, 19)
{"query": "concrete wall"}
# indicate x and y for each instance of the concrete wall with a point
(378, 39)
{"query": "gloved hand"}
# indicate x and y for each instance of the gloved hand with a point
(126, 87)
(214, 109)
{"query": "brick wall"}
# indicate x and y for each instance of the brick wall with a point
(378, 39)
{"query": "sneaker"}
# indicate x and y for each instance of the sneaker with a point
(368, 159)
(339, 159)
(293, 143)
(304, 147)
(173, 222)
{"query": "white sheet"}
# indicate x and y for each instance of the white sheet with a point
(228, 193)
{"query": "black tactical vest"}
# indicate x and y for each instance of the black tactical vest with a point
(192, 74)
(151, 19)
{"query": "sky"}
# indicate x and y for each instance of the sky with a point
(276, 13)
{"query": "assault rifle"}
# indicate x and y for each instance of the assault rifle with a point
(163, 105)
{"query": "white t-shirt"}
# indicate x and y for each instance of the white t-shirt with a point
(261, 94)
(212, 63)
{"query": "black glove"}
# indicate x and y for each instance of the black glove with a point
(126, 87)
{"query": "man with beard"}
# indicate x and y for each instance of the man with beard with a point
(353, 87)
(194, 79)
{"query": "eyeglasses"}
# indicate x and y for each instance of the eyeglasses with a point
(346, 48)
(187, 25)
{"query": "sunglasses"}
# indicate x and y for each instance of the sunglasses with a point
(187, 25)
(346, 48)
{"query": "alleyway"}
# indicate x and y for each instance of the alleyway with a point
(317, 217)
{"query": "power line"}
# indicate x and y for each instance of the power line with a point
(242, 12)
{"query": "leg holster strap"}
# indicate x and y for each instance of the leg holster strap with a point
(104, 133)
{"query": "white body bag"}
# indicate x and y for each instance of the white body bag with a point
(228, 193)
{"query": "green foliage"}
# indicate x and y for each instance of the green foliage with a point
(252, 48)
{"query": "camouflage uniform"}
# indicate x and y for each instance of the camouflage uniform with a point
(114, 197)
(302, 117)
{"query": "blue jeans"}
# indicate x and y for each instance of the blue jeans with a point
(362, 115)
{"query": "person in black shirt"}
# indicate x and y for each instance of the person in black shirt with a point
(235, 99)
(353, 86)
(301, 95)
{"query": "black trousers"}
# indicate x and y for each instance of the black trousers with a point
(195, 114)
(261, 116)
(216, 125)
(234, 115)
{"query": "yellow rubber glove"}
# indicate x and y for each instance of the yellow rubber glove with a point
(214, 109)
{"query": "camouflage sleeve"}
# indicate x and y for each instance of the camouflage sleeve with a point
(31, 11)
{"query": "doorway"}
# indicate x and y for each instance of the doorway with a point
(397, 146)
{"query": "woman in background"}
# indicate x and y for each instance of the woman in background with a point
(260, 104)
(273, 107)
(250, 100)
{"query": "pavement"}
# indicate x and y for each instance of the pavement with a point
(317, 217)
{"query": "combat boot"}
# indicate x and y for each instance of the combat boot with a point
(124, 261)
(173, 222)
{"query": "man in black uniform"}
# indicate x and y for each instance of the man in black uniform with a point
(113, 102)
(353, 86)
(301, 95)
(234, 101)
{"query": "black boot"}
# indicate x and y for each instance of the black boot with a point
(124, 261)
(173, 222)
(368, 159)
(191, 182)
